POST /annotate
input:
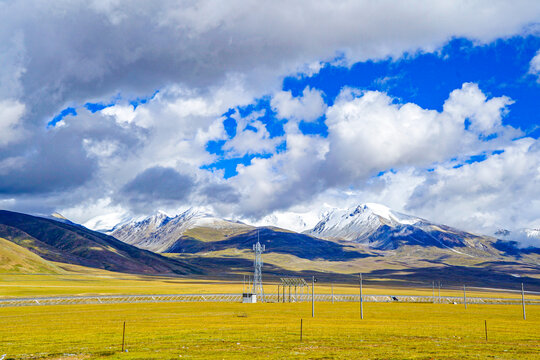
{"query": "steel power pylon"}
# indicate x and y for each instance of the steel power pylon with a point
(257, 277)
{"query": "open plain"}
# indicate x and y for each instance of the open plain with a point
(264, 330)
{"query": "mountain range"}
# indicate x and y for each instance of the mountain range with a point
(368, 238)
(370, 226)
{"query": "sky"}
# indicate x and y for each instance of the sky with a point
(271, 112)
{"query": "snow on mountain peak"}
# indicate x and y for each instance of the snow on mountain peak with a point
(160, 231)
(379, 210)
(359, 222)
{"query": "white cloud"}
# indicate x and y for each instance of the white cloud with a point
(11, 130)
(534, 65)
(308, 107)
(122, 114)
(470, 103)
(369, 132)
(501, 192)
(251, 141)
(100, 213)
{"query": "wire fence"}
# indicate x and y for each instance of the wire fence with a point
(271, 298)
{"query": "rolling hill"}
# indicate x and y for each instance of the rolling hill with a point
(17, 259)
(276, 240)
(65, 243)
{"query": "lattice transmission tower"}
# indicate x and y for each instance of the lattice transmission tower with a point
(257, 277)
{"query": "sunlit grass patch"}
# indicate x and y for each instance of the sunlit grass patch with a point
(233, 330)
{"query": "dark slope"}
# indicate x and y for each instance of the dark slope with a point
(57, 241)
(276, 241)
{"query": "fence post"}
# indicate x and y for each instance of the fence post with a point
(301, 328)
(361, 299)
(123, 336)
(485, 327)
(313, 296)
(523, 302)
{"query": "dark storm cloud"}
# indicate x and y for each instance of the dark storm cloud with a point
(223, 193)
(58, 159)
(158, 184)
(57, 164)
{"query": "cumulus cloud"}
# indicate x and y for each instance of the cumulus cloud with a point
(308, 107)
(369, 132)
(500, 192)
(470, 103)
(253, 140)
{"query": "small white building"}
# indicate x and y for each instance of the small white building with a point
(249, 298)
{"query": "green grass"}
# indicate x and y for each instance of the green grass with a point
(237, 331)
(78, 280)
(210, 234)
(16, 259)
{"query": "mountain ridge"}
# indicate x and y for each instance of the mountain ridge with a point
(74, 244)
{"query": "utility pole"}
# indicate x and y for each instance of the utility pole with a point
(523, 302)
(464, 296)
(332, 293)
(313, 296)
(361, 299)
(439, 292)
(433, 298)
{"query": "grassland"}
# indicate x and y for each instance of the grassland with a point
(82, 281)
(16, 259)
(272, 331)
(236, 331)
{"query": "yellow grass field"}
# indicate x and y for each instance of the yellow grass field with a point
(235, 331)
(270, 331)
(84, 281)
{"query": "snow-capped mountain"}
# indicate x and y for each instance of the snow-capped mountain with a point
(358, 223)
(379, 227)
(374, 226)
(298, 222)
(159, 232)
